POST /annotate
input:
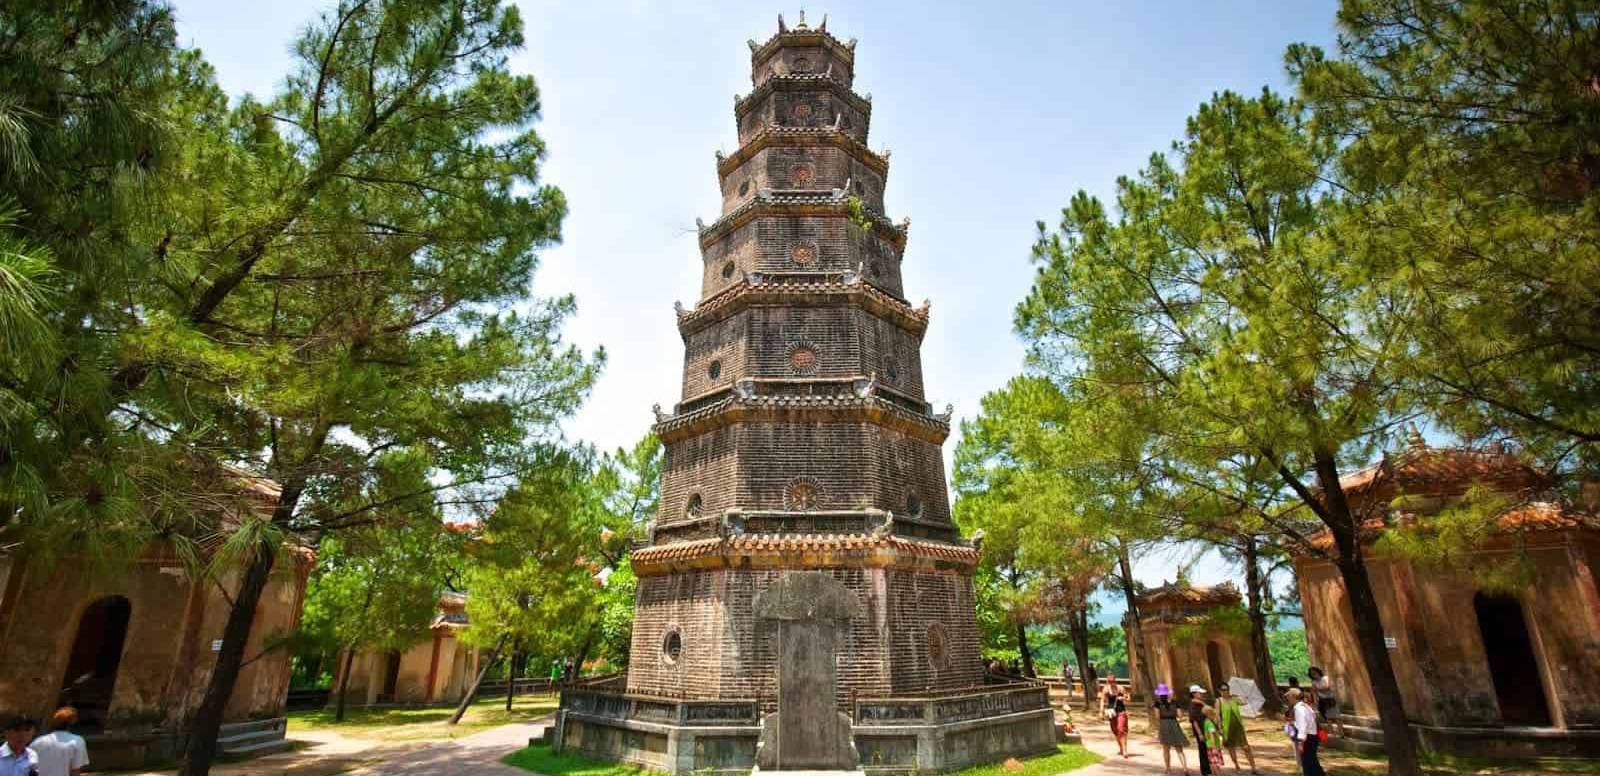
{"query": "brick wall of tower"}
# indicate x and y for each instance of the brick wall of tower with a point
(777, 168)
(707, 465)
(767, 245)
(816, 59)
(726, 344)
(855, 466)
(727, 653)
(917, 603)
(780, 107)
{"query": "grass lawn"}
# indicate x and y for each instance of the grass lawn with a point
(539, 759)
(1068, 757)
(420, 724)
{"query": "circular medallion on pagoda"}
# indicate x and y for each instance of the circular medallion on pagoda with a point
(803, 360)
(802, 495)
(801, 112)
(672, 645)
(803, 175)
(696, 506)
(804, 254)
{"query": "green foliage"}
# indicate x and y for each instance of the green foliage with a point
(1229, 620)
(1473, 188)
(1108, 649)
(1289, 657)
(376, 588)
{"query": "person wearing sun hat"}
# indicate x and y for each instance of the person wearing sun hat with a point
(1197, 722)
(1168, 731)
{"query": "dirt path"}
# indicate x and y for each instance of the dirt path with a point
(1144, 754)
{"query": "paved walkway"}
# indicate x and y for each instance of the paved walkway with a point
(478, 753)
(1144, 755)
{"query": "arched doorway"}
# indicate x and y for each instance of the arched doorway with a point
(1214, 665)
(1512, 664)
(96, 654)
(391, 677)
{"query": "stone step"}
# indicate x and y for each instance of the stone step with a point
(237, 728)
(257, 749)
(253, 737)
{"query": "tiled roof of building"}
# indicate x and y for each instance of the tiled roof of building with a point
(775, 134)
(1531, 517)
(1174, 594)
(767, 201)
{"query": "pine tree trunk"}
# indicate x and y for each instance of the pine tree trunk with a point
(472, 692)
(1078, 628)
(511, 680)
(583, 654)
(1027, 654)
(1398, 744)
(344, 683)
(207, 721)
(1131, 597)
(1254, 584)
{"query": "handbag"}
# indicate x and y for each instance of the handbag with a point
(1322, 735)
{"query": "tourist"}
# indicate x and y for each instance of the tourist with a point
(61, 752)
(1197, 725)
(1114, 707)
(1294, 686)
(1231, 711)
(16, 757)
(1213, 731)
(1306, 737)
(1169, 732)
(1327, 703)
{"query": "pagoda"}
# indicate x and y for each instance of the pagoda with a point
(804, 600)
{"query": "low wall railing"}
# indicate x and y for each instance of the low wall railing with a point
(614, 704)
(952, 706)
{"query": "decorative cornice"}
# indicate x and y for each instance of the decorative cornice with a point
(795, 81)
(804, 550)
(800, 203)
(802, 36)
(865, 404)
(775, 135)
(759, 288)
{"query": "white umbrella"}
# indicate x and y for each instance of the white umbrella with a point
(1250, 698)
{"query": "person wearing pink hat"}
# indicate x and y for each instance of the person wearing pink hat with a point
(1168, 731)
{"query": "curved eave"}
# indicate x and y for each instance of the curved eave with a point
(745, 294)
(791, 82)
(833, 203)
(845, 51)
(758, 551)
(803, 409)
(774, 135)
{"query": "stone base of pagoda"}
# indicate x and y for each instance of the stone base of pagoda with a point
(892, 735)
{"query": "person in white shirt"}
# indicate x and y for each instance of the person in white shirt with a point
(1306, 740)
(16, 757)
(61, 752)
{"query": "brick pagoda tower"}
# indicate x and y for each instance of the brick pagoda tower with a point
(803, 566)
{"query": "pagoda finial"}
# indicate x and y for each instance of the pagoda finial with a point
(823, 27)
(1414, 438)
(782, 28)
(802, 24)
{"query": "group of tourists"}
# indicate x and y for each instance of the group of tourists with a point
(58, 752)
(1219, 727)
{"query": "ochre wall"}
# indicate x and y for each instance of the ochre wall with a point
(1438, 657)
(166, 659)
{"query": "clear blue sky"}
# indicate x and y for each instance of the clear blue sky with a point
(996, 113)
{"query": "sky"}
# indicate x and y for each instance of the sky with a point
(995, 113)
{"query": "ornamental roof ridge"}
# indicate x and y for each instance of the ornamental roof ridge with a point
(802, 34)
(836, 200)
(756, 283)
(862, 102)
(771, 133)
(851, 543)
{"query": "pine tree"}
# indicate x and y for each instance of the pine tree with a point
(1220, 302)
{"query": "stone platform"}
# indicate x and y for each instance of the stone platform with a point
(931, 734)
